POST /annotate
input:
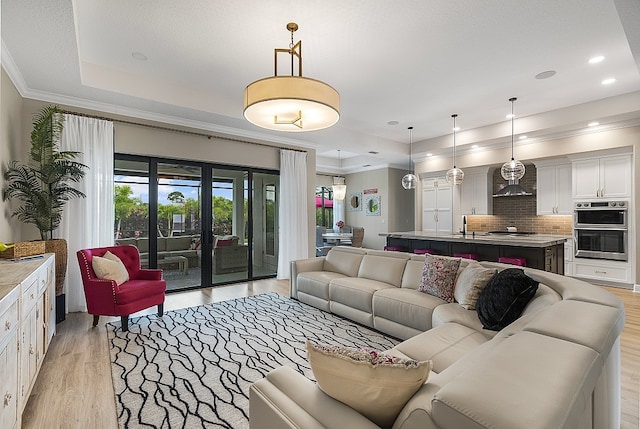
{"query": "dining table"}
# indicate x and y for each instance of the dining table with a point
(337, 237)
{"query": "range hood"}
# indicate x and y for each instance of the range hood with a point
(513, 189)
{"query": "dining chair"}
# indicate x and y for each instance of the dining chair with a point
(358, 236)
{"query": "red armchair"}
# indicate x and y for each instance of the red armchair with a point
(144, 289)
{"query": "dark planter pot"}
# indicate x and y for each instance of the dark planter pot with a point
(60, 308)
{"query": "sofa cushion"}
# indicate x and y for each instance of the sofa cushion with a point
(110, 267)
(178, 243)
(504, 298)
(355, 292)
(443, 345)
(439, 276)
(382, 268)
(412, 274)
(471, 281)
(316, 283)
(343, 262)
(453, 313)
(375, 384)
(406, 306)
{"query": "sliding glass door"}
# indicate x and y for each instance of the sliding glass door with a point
(200, 223)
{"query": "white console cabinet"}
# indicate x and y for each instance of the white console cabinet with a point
(27, 296)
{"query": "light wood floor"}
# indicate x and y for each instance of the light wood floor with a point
(74, 388)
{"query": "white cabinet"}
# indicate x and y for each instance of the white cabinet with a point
(568, 257)
(437, 199)
(553, 196)
(605, 177)
(26, 304)
(609, 271)
(475, 193)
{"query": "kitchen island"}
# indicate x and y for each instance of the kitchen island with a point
(541, 251)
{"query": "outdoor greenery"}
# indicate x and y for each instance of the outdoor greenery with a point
(132, 214)
(45, 184)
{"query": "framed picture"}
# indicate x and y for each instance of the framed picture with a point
(372, 205)
(355, 202)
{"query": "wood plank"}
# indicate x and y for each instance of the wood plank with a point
(74, 387)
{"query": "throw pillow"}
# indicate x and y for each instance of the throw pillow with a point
(224, 243)
(471, 281)
(110, 267)
(373, 383)
(439, 276)
(504, 298)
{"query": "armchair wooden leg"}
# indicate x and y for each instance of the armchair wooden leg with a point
(125, 323)
(95, 320)
(160, 309)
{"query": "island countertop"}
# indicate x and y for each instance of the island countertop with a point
(519, 240)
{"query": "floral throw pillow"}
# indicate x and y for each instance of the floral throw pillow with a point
(439, 276)
(375, 384)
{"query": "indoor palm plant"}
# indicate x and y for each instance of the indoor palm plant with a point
(45, 183)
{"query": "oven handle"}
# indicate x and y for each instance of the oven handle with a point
(599, 228)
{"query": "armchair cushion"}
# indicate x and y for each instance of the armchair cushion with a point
(110, 267)
(139, 290)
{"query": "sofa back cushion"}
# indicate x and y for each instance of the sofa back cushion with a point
(382, 268)
(142, 245)
(162, 244)
(178, 243)
(412, 274)
(343, 261)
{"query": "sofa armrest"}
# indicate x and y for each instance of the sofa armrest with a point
(303, 266)
(287, 399)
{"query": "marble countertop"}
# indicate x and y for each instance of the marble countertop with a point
(533, 240)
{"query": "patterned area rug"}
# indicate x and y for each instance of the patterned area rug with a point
(193, 367)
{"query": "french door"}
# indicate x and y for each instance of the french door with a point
(203, 224)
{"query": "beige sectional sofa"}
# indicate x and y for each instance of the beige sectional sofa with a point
(167, 247)
(556, 366)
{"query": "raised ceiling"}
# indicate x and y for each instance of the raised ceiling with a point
(412, 61)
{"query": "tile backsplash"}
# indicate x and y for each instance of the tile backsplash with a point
(519, 211)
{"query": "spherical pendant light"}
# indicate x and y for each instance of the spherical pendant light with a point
(454, 176)
(512, 170)
(409, 180)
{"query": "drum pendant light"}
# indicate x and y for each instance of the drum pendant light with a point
(455, 176)
(409, 180)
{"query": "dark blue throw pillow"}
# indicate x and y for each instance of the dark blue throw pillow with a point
(504, 298)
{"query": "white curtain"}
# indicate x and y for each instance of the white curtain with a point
(87, 222)
(293, 213)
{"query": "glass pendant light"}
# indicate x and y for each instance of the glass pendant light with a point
(339, 187)
(512, 170)
(455, 175)
(409, 180)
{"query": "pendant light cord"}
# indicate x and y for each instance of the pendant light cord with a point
(410, 149)
(512, 100)
(454, 116)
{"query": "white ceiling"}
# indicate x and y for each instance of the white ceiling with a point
(411, 61)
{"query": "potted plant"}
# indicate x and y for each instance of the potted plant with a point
(45, 184)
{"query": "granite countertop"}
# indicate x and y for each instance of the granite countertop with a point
(532, 240)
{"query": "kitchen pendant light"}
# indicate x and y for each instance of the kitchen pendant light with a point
(455, 175)
(291, 103)
(512, 170)
(409, 180)
(339, 186)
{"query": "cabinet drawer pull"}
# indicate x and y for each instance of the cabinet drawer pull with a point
(31, 296)
(600, 272)
(31, 350)
(7, 325)
(7, 398)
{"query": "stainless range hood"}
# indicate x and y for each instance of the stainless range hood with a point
(513, 189)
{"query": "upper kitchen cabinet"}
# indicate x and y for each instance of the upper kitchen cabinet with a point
(553, 196)
(437, 199)
(604, 177)
(475, 192)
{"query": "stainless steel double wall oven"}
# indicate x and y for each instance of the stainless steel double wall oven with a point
(601, 230)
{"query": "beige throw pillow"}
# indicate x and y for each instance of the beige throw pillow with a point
(375, 384)
(471, 281)
(110, 267)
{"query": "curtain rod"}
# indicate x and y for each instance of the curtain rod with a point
(159, 127)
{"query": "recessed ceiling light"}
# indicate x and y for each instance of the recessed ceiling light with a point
(429, 154)
(139, 56)
(596, 60)
(393, 123)
(509, 116)
(523, 137)
(593, 124)
(373, 152)
(546, 74)
(367, 165)
(608, 81)
(475, 146)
